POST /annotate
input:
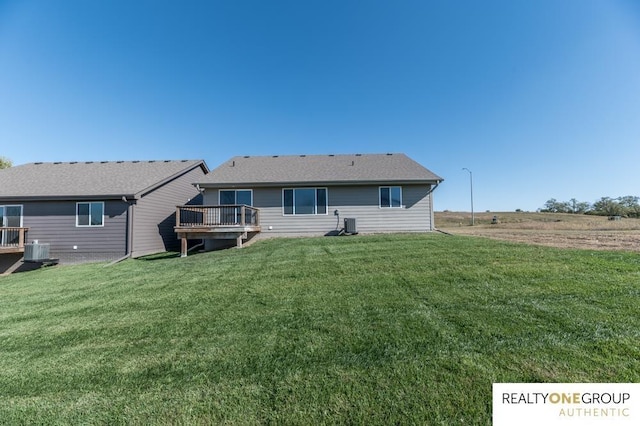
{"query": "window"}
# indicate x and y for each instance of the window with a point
(236, 196)
(90, 214)
(10, 217)
(300, 201)
(391, 196)
(233, 197)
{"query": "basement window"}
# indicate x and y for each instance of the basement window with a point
(90, 214)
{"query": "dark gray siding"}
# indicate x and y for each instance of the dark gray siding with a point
(154, 214)
(54, 222)
(360, 202)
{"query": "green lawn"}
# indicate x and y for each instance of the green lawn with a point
(359, 330)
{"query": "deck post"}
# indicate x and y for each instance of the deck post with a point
(239, 241)
(183, 246)
(21, 238)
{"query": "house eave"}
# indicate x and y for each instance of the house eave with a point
(103, 197)
(221, 185)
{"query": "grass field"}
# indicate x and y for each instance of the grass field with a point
(408, 329)
(549, 229)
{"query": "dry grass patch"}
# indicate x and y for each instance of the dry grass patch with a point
(549, 229)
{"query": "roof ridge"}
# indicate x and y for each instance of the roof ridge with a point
(321, 155)
(38, 163)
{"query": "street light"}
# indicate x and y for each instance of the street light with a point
(473, 221)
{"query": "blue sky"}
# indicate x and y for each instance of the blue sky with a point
(539, 99)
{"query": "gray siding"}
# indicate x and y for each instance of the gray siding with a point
(154, 214)
(54, 222)
(360, 202)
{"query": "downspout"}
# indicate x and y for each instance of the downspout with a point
(431, 209)
(129, 243)
(129, 229)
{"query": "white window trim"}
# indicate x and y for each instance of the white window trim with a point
(401, 206)
(236, 191)
(21, 212)
(90, 225)
(316, 203)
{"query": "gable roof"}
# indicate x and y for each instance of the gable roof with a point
(318, 169)
(90, 180)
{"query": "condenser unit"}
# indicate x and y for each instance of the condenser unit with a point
(350, 225)
(36, 252)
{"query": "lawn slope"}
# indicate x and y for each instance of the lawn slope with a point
(375, 330)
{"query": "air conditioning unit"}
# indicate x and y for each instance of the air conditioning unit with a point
(350, 225)
(36, 252)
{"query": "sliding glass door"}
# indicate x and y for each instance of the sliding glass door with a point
(10, 217)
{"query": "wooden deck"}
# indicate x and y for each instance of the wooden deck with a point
(12, 239)
(216, 222)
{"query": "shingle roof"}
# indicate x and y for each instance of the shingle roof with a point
(106, 179)
(315, 169)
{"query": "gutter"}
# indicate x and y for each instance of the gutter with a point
(432, 220)
(129, 226)
(129, 243)
(287, 184)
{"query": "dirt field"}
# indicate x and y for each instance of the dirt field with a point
(549, 229)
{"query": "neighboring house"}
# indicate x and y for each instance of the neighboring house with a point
(95, 211)
(311, 195)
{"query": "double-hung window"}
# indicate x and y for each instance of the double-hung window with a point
(90, 214)
(299, 201)
(391, 196)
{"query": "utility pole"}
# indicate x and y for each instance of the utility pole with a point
(473, 219)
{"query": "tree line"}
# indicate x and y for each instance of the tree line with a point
(628, 206)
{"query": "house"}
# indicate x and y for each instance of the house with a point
(264, 196)
(94, 211)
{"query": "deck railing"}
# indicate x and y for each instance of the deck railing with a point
(12, 238)
(212, 216)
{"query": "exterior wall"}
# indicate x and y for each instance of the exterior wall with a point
(360, 202)
(54, 222)
(154, 214)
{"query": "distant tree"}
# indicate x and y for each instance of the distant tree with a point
(607, 206)
(5, 163)
(583, 207)
(630, 205)
(578, 207)
(554, 206)
(549, 206)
